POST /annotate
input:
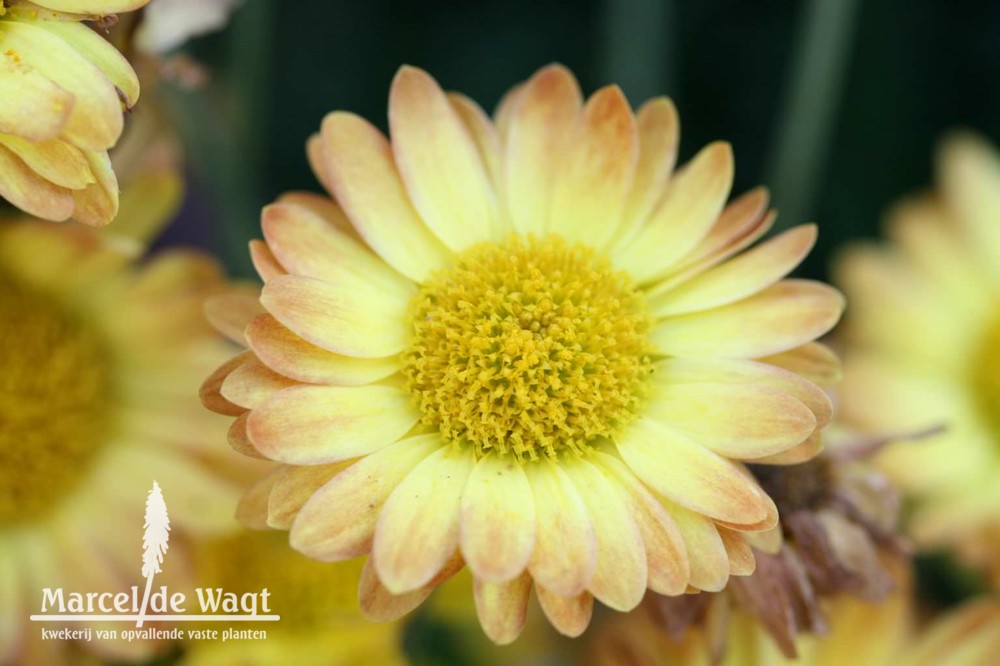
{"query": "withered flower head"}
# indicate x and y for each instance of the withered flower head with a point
(837, 536)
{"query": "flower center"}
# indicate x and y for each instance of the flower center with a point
(985, 377)
(530, 347)
(54, 395)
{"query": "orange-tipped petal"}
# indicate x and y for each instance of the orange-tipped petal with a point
(338, 521)
(439, 162)
(503, 607)
(705, 548)
(308, 425)
(659, 135)
(690, 474)
(30, 192)
(498, 520)
(418, 529)
(293, 487)
(253, 383)
(362, 174)
(779, 318)
(565, 554)
(569, 615)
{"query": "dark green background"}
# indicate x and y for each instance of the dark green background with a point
(908, 71)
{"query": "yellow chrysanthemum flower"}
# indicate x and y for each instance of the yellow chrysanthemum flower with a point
(63, 89)
(100, 363)
(860, 633)
(924, 349)
(527, 346)
(320, 620)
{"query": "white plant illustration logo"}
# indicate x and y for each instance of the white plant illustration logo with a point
(154, 542)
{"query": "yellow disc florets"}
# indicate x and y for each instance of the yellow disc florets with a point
(532, 347)
(54, 390)
(985, 376)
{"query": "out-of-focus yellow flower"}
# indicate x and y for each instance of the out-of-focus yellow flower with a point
(63, 89)
(320, 621)
(101, 362)
(860, 633)
(924, 349)
(528, 346)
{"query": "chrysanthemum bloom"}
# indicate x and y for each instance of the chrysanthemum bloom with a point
(837, 532)
(527, 346)
(862, 633)
(320, 620)
(924, 349)
(63, 89)
(100, 364)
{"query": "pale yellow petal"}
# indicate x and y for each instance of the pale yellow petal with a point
(502, 608)
(338, 521)
(740, 277)
(659, 136)
(541, 121)
(264, 261)
(231, 312)
(741, 559)
(306, 244)
(483, 133)
(54, 160)
(211, 390)
(814, 361)
(95, 121)
(619, 580)
(362, 174)
(690, 207)
(569, 615)
(666, 555)
(32, 106)
(706, 551)
(308, 425)
(439, 162)
(777, 319)
(734, 420)
(97, 204)
(293, 487)
(350, 316)
(252, 383)
(498, 520)
(418, 529)
(30, 192)
(286, 353)
(565, 554)
(690, 474)
(597, 171)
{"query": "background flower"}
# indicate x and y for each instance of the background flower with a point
(63, 89)
(924, 349)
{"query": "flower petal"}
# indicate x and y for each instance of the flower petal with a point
(32, 106)
(359, 166)
(498, 520)
(239, 440)
(483, 133)
(741, 559)
(666, 555)
(306, 244)
(690, 474)
(211, 390)
(620, 577)
(777, 319)
(231, 312)
(338, 521)
(540, 125)
(740, 277)
(597, 171)
(95, 120)
(97, 204)
(569, 615)
(286, 353)
(418, 529)
(251, 511)
(439, 162)
(814, 361)
(309, 425)
(378, 604)
(54, 160)
(690, 207)
(706, 550)
(350, 317)
(503, 607)
(293, 487)
(252, 383)
(565, 554)
(30, 192)
(659, 136)
(264, 261)
(734, 420)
